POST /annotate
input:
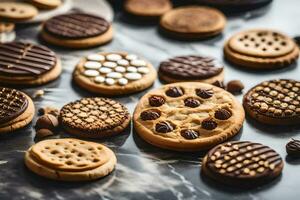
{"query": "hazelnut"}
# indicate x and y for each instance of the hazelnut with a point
(41, 133)
(47, 121)
(235, 86)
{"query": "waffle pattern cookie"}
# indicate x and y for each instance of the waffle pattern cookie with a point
(188, 116)
(27, 64)
(94, 117)
(274, 102)
(114, 73)
(191, 68)
(16, 11)
(242, 163)
(77, 30)
(16, 111)
(70, 160)
(261, 49)
(193, 22)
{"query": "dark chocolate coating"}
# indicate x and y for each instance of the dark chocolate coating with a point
(293, 148)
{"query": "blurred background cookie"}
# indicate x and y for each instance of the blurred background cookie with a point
(46, 4)
(16, 11)
(7, 33)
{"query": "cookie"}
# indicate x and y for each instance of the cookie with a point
(94, 117)
(17, 110)
(275, 102)
(46, 4)
(27, 64)
(193, 22)
(242, 164)
(191, 68)
(16, 11)
(188, 116)
(77, 30)
(114, 73)
(70, 160)
(261, 49)
(146, 8)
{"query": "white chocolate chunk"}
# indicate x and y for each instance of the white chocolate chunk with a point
(123, 62)
(92, 65)
(120, 69)
(133, 76)
(91, 73)
(114, 75)
(113, 57)
(131, 57)
(131, 69)
(122, 81)
(143, 70)
(109, 81)
(96, 57)
(138, 63)
(110, 64)
(99, 79)
(105, 70)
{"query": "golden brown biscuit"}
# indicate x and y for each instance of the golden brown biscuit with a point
(70, 160)
(114, 73)
(46, 4)
(188, 116)
(15, 11)
(17, 110)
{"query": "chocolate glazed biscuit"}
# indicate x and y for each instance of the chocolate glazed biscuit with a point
(191, 68)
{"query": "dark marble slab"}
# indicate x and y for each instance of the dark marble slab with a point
(145, 172)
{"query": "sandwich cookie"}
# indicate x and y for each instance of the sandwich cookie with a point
(16, 11)
(77, 30)
(27, 64)
(17, 110)
(114, 73)
(188, 116)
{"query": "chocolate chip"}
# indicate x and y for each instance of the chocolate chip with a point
(235, 86)
(209, 124)
(189, 134)
(191, 102)
(156, 100)
(293, 148)
(150, 114)
(222, 114)
(174, 92)
(205, 94)
(164, 127)
(219, 84)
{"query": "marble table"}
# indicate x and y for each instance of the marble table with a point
(143, 171)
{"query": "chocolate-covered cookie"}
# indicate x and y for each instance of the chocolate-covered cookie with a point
(274, 102)
(191, 68)
(94, 117)
(27, 63)
(242, 164)
(78, 30)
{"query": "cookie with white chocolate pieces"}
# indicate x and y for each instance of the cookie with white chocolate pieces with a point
(275, 102)
(94, 117)
(114, 73)
(242, 164)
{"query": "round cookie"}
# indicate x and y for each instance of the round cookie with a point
(70, 160)
(275, 102)
(242, 164)
(191, 68)
(46, 4)
(146, 8)
(77, 30)
(17, 110)
(27, 64)
(261, 49)
(114, 73)
(16, 11)
(193, 22)
(94, 117)
(188, 116)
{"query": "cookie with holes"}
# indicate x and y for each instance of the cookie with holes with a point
(94, 117)
(261, 49)
(111, 73)
(192, 22)
(16, 110)
(275, 102)
(24, 63)
(46, 4)
(77, 30)
(242, 164)
(191, 68)
(16, 11)
(70, 160)
(188, 116)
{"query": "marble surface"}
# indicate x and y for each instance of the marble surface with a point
(145, 172)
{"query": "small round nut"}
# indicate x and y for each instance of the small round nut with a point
(41, 133)
(235, 86)
(47, 121)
